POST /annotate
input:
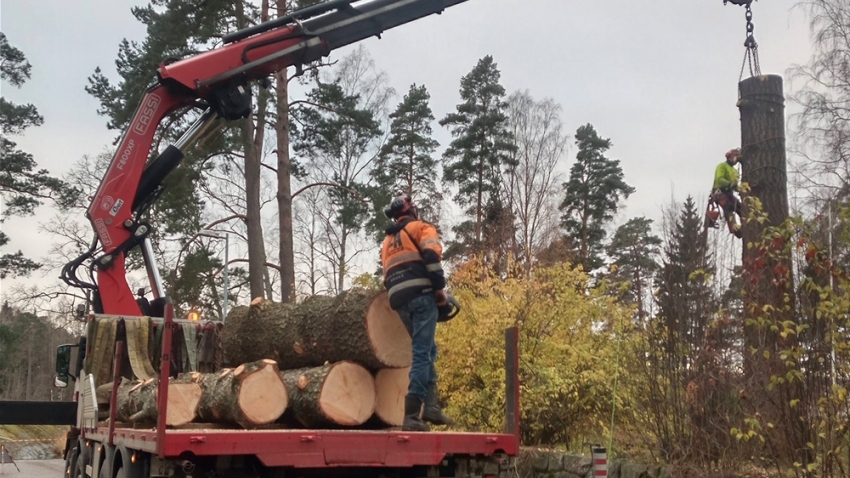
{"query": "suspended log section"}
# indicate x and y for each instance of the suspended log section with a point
(358, 325)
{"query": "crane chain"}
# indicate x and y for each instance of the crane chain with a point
(751, 55)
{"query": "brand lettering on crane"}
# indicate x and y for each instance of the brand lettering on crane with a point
(116, 208)
(125, 155)
(102, 232)
(146, 114)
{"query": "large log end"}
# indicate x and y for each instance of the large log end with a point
(183, 401)
(391, 386)
(262, 395)
(390, 340)
(348, 394)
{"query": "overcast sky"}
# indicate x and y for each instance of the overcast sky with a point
(657, 77)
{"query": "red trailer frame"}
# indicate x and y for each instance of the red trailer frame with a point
(300, 448)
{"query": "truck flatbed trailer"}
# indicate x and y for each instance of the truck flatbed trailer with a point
(110, 449)
(316, 448)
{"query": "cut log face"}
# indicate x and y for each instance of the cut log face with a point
(391, 342)
(252, 395)
(183, 401)
(340, 394)
(391, 386)
(357, 326)
(136, 402)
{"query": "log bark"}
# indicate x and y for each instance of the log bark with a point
(390, 389)
(358, 325)
(340, 394)
(136, 402)
(251, 395)
(767, 269)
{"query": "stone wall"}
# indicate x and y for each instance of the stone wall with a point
(536, 463)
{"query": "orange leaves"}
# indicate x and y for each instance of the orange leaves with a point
(811, 253)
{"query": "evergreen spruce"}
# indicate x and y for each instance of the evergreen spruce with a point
(634, 250)
(685, 301)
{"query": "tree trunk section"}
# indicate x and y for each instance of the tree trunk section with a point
(340, 394)
(284, 187)
(252, 141)
(136, 402)
(358, 325)
(251, 395)
(767, 269)
(391, 386)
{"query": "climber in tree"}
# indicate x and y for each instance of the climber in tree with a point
(723, 193)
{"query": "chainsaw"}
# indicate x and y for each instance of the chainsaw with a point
(449, 310)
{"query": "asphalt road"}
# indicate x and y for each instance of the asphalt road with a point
(34, 469)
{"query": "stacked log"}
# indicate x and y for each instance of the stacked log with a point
(250, 396)
(358, 325)
(326, 362)
(339, 394)
(136, 402)
(390, 389)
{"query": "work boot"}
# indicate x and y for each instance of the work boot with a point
(412, 410)
(432, 412)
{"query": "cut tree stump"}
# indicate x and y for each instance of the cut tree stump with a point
(340, 394)
(358, 325)
(390, 389)
(136, 402)
(251, 395)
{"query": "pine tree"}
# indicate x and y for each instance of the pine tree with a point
(334, 140)
(406, 163)
(22, 185)
(634, 250)
(592, 195)
(482, 145)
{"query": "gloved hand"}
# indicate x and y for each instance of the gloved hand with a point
(442, 298)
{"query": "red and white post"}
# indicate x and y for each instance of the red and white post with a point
(600, 461)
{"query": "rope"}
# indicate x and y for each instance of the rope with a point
(614, 391)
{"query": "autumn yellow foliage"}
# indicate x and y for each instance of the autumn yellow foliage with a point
(569, 337)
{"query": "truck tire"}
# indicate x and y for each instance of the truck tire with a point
(80, 470)
(71, 461)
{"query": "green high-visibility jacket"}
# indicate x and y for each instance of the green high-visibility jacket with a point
(725, 176)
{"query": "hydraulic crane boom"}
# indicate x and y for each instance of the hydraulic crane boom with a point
(219, 80)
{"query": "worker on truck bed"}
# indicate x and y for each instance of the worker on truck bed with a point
(725, 186)
(413, 275)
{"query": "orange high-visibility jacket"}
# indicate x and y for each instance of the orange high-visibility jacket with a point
(409, 273)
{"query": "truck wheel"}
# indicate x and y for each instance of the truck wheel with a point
(71, 461)
(80, 470)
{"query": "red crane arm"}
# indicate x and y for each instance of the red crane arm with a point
(220, 79)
